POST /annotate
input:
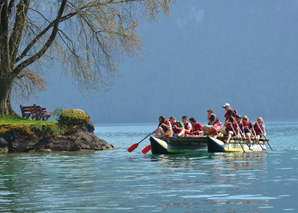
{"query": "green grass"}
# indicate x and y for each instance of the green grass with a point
(18, 120)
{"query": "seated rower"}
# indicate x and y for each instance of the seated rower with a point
(239, 126)
(177, 126)
(247, 126)
(259, 128)
(214, 122)
(187, 126)
(196, 127)
(231, 129)
(164, 128)
(212, 118)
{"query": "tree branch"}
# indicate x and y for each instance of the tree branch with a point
(17, 32)
(47, 44)
(4, 47)
(10, 7)
(64, 18)
(27, 49)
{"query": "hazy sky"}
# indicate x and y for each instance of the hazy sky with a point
(206, 54)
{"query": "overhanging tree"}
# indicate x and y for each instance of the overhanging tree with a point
(87, 37)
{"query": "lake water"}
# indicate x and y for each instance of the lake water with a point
(113, 181)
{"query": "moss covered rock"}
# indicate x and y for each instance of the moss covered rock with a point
(75, 132)
(74, 117)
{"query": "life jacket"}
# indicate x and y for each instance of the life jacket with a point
(246, 125)
(196, 127)
(215, 128)
(227, 114)
(240, 125)
(167, 122)
(216, 119)
(188, 126)
(177, 123)
(257, 129)
(229, 127)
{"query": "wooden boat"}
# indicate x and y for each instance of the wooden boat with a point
(180, 145)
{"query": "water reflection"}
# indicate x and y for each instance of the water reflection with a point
(214, 179)
(215, 160)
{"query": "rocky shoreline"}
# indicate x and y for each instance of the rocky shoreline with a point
(74, 132)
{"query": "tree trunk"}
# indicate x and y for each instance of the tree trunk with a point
(5, 97)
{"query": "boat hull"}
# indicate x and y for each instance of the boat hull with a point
(203, 144)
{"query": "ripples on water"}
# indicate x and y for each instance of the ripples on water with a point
(120, 181)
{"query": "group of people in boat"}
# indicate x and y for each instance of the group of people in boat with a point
(235, 125)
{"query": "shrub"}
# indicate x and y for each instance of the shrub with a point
(57, 112)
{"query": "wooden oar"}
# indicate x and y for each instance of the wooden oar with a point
(146, 149)
(239, 140)
(243, 135)
(257, 140)
(264, 136)
(134, 146)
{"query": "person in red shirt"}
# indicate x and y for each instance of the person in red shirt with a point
(229, 111)
(196, 127)
(258, 128)
(239, 126)
(214, 121)
(231, 127)
(247, 126)
(212, 118)
(178, 127)
(187, 126)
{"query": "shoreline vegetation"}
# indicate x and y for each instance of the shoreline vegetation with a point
(73, 131)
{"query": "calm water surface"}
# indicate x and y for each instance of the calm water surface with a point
(113, 181)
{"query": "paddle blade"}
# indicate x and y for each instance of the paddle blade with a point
(133, 147)
(146, 149)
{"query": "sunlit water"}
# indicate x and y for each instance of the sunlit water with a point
(120, 181)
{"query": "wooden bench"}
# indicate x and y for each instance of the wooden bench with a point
(27, 111)
(35, 112)
(42, 113)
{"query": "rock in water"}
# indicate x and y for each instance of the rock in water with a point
(75, 132)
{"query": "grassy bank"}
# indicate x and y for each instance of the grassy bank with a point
(18, 120)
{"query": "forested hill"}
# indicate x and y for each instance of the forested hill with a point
(206, 54)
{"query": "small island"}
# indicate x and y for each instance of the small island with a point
(74, 131)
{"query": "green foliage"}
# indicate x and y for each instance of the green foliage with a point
(57, 112)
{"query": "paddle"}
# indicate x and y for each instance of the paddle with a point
(239, 140)
(243, 135)
(257, 140)
(146, 149)
(264, 136)
(134, 146)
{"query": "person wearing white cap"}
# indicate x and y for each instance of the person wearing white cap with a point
(229, 111)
